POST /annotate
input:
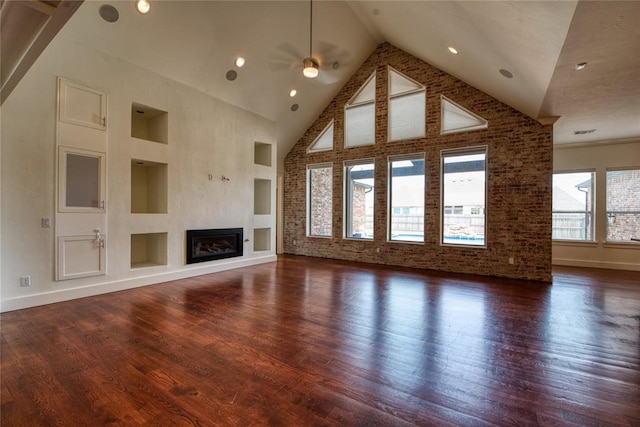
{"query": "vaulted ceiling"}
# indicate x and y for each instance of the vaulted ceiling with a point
(538, 43)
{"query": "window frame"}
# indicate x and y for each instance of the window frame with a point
(311, 150)
(347, 232)
(350, 104)
(309, 222)
(606, 207)
(593, 206)
(390, 208)
(422, 89)
(463, 151)
(484, 123)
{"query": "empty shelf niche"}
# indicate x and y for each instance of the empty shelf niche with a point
(261, 239)
(149, 123)
(262, 197)
(148, 250)
(262, 154)
(148, 187)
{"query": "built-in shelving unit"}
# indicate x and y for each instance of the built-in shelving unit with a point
(263, 193)
(149, 186)
(149, 123)
(148, 250)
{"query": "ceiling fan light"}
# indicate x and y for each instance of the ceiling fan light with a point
(310, 68)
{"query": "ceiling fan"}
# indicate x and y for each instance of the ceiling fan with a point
(322, 67)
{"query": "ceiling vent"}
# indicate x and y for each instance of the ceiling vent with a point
(583, 132)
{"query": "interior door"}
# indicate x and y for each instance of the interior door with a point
(81, 203)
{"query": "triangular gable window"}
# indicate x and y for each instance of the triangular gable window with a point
(324, 141)
(367, 92)
(359, 116)
(406, 107)
(455, 118)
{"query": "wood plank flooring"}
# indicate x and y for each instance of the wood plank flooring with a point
(306, 341)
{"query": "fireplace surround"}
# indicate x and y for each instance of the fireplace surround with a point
(213, 244)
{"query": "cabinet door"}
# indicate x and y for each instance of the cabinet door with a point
(81, 180)
(82, 106)
(80, 256)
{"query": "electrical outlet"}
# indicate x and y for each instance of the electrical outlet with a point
(25, 281)
(378, 250)
(512, 260)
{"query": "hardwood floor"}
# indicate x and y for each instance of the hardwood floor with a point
(306, 341)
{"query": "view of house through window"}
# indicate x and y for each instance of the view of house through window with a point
(573, 197)
(319, 199)
(359, 197)
(406, 198)
(623, 205)
(463, 196)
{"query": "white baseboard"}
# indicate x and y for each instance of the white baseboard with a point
(34, 300)
(596, 264)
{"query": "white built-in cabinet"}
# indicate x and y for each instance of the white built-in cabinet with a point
(81, 205)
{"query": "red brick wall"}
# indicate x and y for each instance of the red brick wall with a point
(519, 168)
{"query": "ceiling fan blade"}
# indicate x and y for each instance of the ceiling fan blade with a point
(285, 57)
(280, 66)
(290, 51)
(327, 77)
(329, 54)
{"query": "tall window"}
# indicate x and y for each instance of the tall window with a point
(406, 198)
(319, 199)
(463, 196)
(360, 116)
(623, 205)
(406, 107)
(573, 197)
(359, 197)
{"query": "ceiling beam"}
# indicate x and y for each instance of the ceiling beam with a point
(35, 42)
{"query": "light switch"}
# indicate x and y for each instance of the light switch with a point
(46, 222)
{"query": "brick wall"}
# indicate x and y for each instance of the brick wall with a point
(519, 168)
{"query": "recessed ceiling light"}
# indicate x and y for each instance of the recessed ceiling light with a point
(239, 61)
(580, 66)
(453, 50)
(294, 107)
(232, 75)
(506, 73)
(293, 93)
(143, 6)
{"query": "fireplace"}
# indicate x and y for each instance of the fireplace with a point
(217, 243)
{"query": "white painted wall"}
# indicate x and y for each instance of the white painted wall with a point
(599, 156)
(206, 136)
